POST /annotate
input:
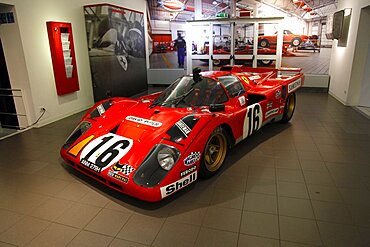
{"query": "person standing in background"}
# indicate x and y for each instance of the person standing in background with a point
(180, 45)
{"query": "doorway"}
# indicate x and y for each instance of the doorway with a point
(8, 113)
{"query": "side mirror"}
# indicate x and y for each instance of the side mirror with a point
(216, 107)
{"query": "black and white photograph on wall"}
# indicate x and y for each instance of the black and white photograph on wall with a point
(116, 45)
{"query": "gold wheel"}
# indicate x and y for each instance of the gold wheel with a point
(289, 108)
(215, 151)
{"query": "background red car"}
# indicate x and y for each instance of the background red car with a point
(288, 38)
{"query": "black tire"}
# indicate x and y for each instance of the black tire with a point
(289, 108)
(264, 43)
(216, 62)
(214, 153)
(264, 62)
(296, 42)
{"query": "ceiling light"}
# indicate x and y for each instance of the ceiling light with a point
(214, 2)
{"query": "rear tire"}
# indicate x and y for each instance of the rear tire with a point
(289, 108)
(214, 153)
(296, 42)
(264, 43)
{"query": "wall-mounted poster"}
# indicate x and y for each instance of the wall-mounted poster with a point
(116, 49)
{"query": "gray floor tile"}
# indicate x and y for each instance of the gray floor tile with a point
(313, 165)
(95, 198)
(260, 224)
(332, 212)
(78, 215)
(226, 219)
(290, 189)
(141, 229)
(124, 243)
(176, 234)
(260, 203)
(261, 185)
(355, 196)
(216, 238)
(339, 235)
(289, 175)
(189, 213)
(231, 182)
(299, 230)
(291, 244)
(24, 231)
(55, 235)
(318, 177)
(254, 241)
(364, 235)
(90, 239)
(73, 192)
(108, 222)
(261, 172)
(324, 193)
(360, 214)
(228, 198)
(287, 163)
(51, 209)
(295, 207)
(8, 219)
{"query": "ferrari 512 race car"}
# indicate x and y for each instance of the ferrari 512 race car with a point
(152, 146)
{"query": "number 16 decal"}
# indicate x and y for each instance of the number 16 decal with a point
(253, 120)
(105, 151)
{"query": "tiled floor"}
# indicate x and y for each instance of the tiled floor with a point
(306, 183)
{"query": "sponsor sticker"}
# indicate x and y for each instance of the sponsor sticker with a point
(118, 176)
(294, 85)
(278, 94)
(241, 100)
(254, 77)
(123, 168)
(272, 112)
(269, 105)
(183, 127)
(179, 184)
(192, 158)
(100, 109)
(187, 171)
(144, 121)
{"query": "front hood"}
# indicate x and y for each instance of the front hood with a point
(131, 128)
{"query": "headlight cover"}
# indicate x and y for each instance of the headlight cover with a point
(156, 165)
(78, 131)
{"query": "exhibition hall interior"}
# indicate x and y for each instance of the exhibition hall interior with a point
(187, 123)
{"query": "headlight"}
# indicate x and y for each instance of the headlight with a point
(156, 165)
(78, 131)
(166, 158)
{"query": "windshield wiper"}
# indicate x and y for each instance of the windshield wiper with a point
(178, 99)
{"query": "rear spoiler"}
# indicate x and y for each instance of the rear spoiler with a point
(243, 68)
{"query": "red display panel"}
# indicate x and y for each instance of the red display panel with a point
(63, 57)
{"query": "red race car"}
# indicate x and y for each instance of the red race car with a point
(288, 38)
(153, 146)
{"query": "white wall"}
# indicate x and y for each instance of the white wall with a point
(342, 58)
(31, 19)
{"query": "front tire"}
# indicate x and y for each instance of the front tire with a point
(264, 43)
(289, 108)
(214, 153)
(296, 42)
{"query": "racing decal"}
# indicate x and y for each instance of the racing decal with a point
(182, 128)
(277, 94)
(253, 119)
(245, 79)
(294, 85)
(123, 168)
(144, 121)
(101, 109)
(118, 176)
(104, 151)
(271, 112)
(185, 181)
(254, 77)
(192, 158)
(241, 100)
(79, 146)
(187, 171)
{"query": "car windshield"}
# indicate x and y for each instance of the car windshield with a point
(185, 92)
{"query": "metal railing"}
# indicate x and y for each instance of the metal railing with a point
(17, 95)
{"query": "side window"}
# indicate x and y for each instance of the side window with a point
(233, 86)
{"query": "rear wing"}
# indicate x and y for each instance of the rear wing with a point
(245, 69)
